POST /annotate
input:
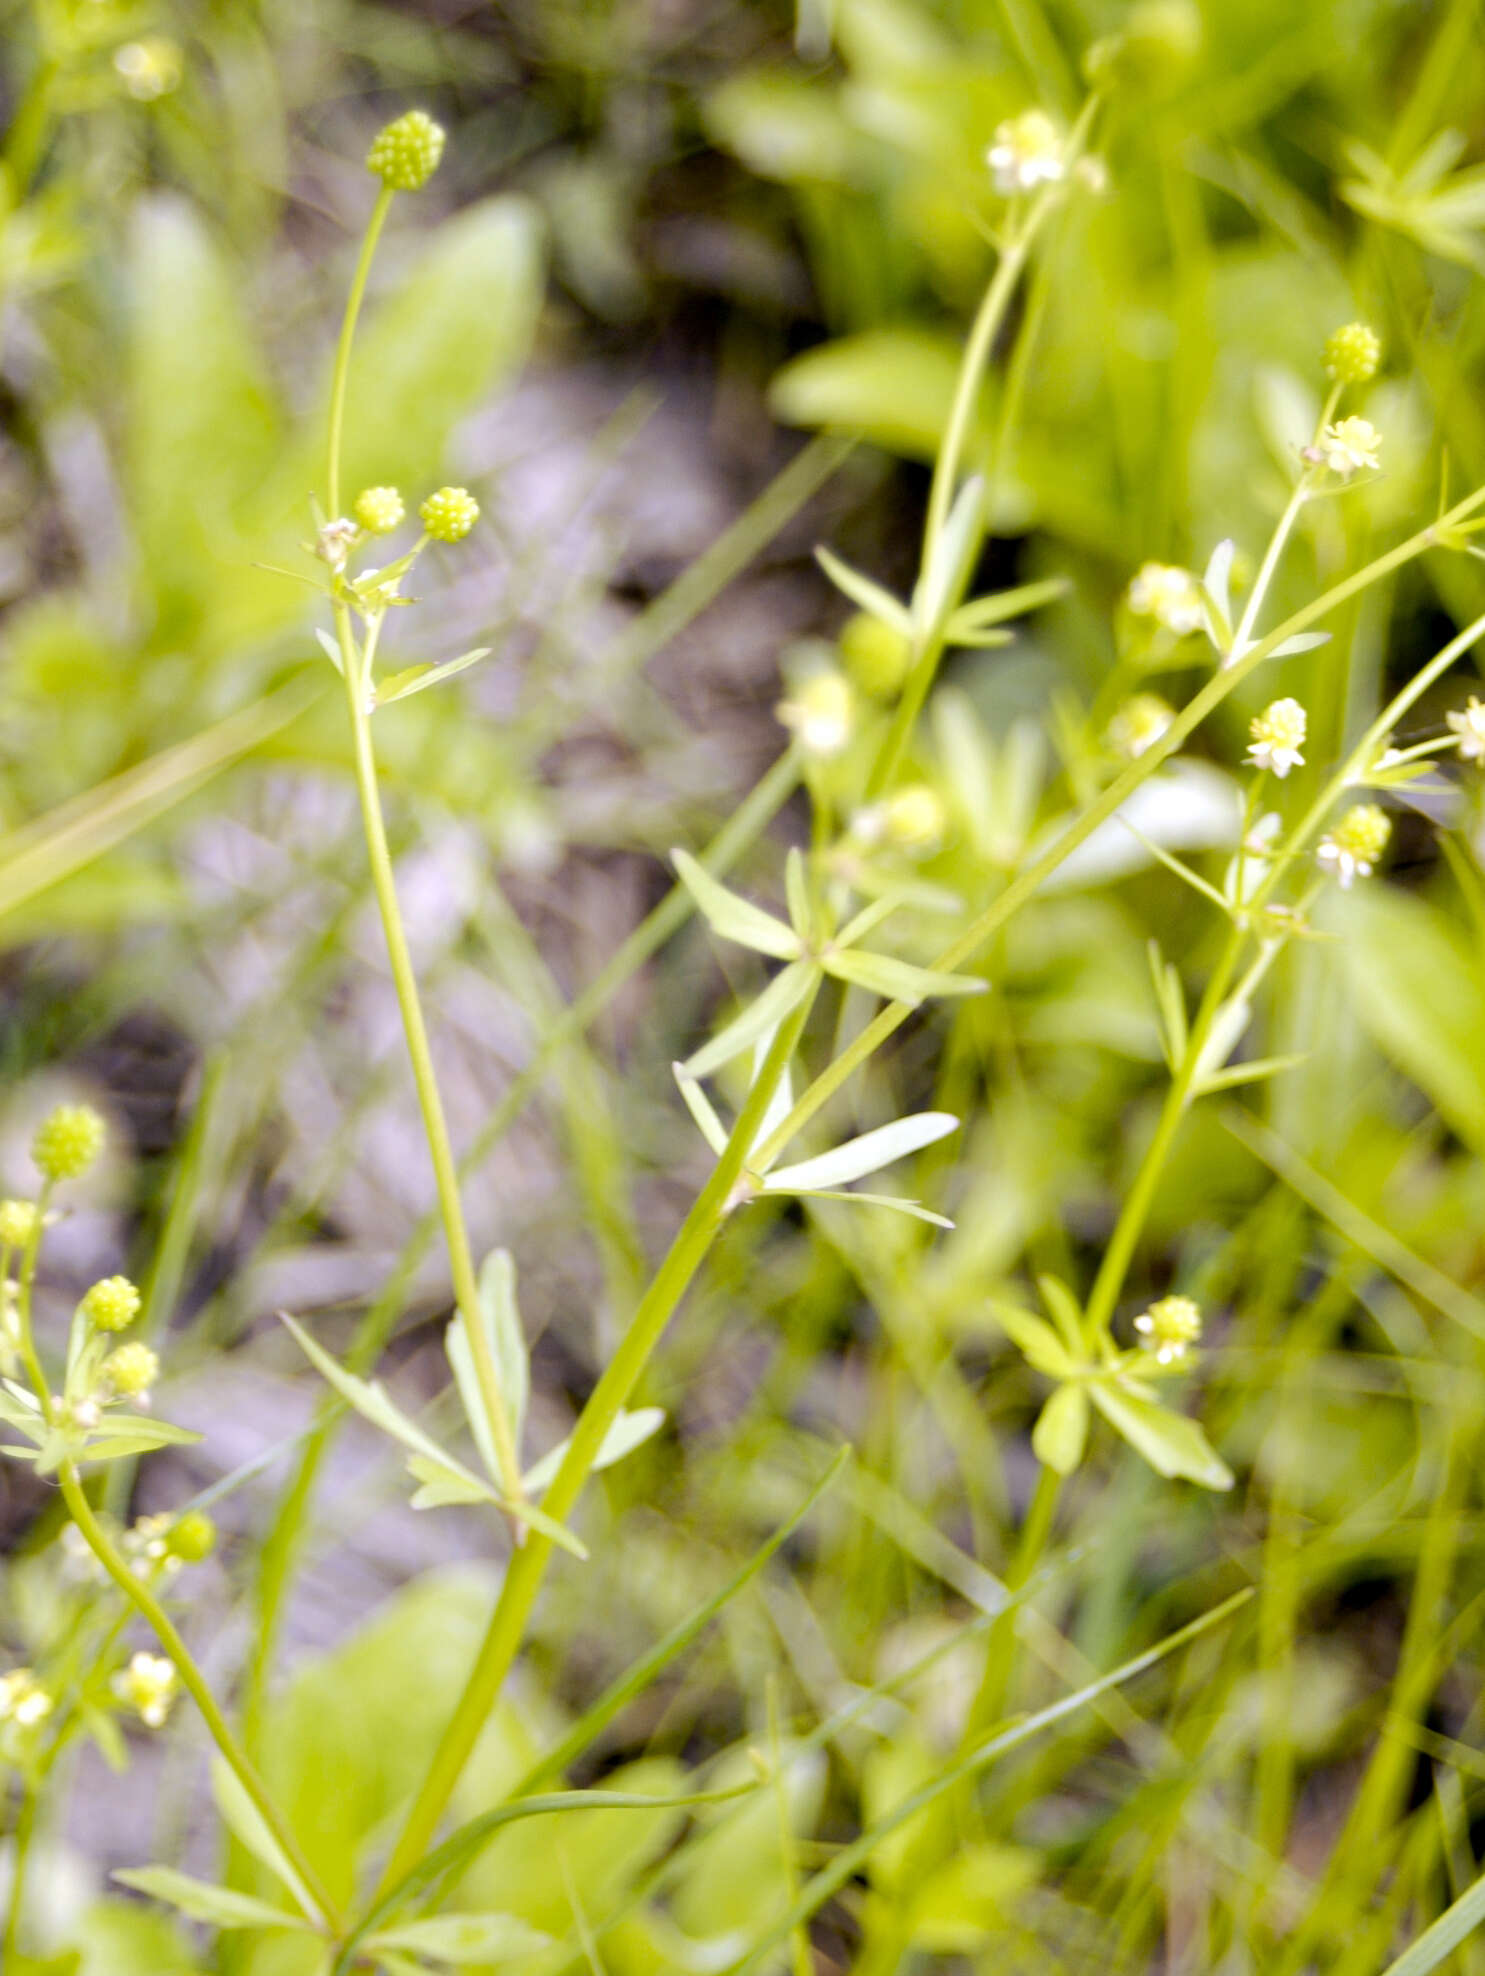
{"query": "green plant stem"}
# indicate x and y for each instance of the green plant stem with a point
(1302, 491)
(342, 373)
(528, 1567)
(929, 638)
(192, 1679)
(435, 1126)
(20, 1859)
(1000, 1648)
(283, 1542)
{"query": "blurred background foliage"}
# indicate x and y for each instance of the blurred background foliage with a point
(678, 233)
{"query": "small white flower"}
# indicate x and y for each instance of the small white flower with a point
(1346, 447)
(335, 541)
(23, 1700)
(1470, 727)
(1170, 595)
(1354, 846)
(1139, 724)
(1277, 737)
(1172, 1326)
(820, 714)
(148, 1684)
(1027, 152)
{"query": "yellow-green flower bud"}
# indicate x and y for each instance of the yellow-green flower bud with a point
(1171, 1326)
(111, 1305)
(1353, 354)
(405, 155)
(131, 1370)
(191, 1537)
(17, 1223)
(67, 1142)
(1139, 724)
(914, 819)
(449, 514)
(876, 656)
(379, 509)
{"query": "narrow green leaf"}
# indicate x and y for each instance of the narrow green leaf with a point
(1248, 1073)
(1036, 1341)
(899, 981)
(1061, 1431)
(497, 1286)
(1169, 1442)
(628, 1432)
(797, 892)
(913, 1208)
(1064, 1309)
(701, 1109)
(198, 1900)
(865, 1154)
(1439, 1941)
(761, 1017)
(244, 1820)
(417, 679)
(464, 1938)
(866, 595)
(733, 918)
(444, 1485)
(982, 612)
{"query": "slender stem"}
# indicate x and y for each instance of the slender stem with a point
(342, 374)
(1303, 488)
(20, 1858)
(989, 1702)
(435, 1126)
(524, 1577)
(160, 1623)
(280, 1547)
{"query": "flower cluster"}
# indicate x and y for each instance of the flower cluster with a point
(820, 714)
(1171, 1326)
(406, 153)
(1353, 354)
(148, 1685)
(1170, 595)
(1353, 847)
(1028, 151)
(1276, 738)
(1139, 724)
(1469, 727)
(1346, 447)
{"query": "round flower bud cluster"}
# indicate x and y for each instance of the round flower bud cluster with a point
(1139, 724)
(17, 1223)
(192, 1537)
(1346, 447)
(449, 514)
(1353, 354)
(1171, 1326)
(111, 1305)
(67, 1142)
(23, 1700)
(378, 509)
(876, 655)
(148, 1685)
(131, 1371)
(405, 155)
(1277, 736)
(1469, 726)
(1357, 842)
(819, 714)
(1027, 152)
(1170, 595)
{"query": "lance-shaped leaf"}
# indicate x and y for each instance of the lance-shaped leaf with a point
(761, 1017)
(461, 1939)
(627, 1432)
(733, 918)
(701, 1109)
(1037, 1342)
(417, 679)
(984, 612)
(247, 1824)
(899, 981)
(198, 1900)
(868, 596)
(1061, 1430)
(913, 1208)
(121, 1434)
(1169, 1442)
(507, 1341)
(1216, 594)
(950, 560)
(1302, 641)
(866, 1154)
